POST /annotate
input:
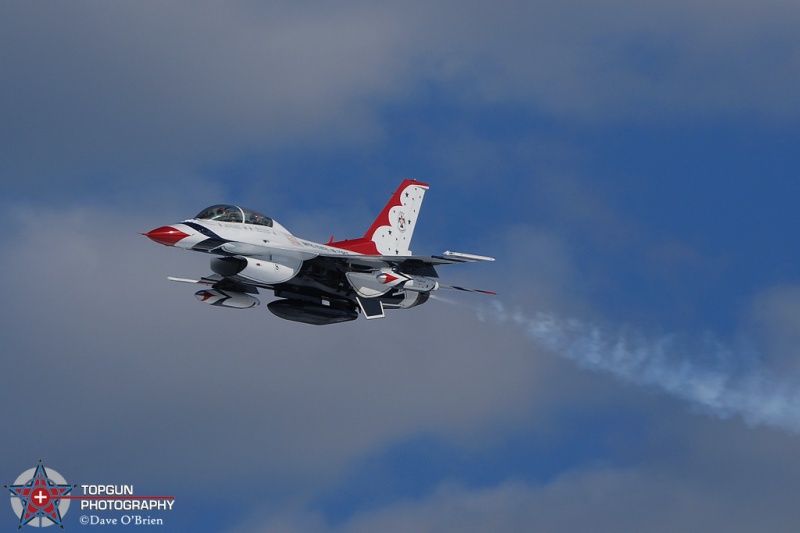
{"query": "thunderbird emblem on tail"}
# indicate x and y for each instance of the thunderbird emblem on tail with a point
(314, 283)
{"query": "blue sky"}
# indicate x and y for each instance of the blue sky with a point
(631, 165)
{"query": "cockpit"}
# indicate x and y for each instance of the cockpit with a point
(232, 213)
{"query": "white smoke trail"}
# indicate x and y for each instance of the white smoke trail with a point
(710, 376)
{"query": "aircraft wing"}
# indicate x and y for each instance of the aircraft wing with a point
(413, 262)
(378, 261)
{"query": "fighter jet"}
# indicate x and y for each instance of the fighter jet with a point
(314, 283)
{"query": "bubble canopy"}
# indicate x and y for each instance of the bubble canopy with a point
(233, 213)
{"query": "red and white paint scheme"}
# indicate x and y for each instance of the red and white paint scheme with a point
(314, 283)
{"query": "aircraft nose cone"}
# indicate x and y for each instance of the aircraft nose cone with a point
(166, 235)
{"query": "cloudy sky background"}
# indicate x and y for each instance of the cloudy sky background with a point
(631, 165)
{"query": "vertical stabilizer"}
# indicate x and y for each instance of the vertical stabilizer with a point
(391, 232)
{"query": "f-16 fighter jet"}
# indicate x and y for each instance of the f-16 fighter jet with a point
(314, 283)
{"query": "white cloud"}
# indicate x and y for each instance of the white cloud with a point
(775, 319)
(87, 86)
(621, 59)
(597, 499)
